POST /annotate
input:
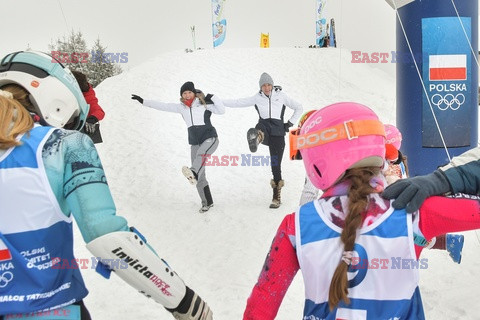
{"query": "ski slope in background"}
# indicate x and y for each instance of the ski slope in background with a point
(220, 253)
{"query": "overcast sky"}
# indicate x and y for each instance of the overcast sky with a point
(145, 29)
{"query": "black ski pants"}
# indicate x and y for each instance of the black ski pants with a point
(276, 145)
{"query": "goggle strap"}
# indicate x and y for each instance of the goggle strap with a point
(347, 130)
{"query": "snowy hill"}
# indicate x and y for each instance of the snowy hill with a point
(220, 253)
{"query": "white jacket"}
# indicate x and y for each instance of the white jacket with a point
(197, 116)
(270, 108)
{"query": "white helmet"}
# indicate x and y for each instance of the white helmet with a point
(54, 91)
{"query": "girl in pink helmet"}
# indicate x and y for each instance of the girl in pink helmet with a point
(396, 161)
(356, 252)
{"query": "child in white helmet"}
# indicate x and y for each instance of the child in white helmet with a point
(48, 176)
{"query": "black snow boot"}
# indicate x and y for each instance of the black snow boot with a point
(277, 188)
(254, 137)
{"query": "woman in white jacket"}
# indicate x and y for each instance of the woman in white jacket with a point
(270, 103)
(196, 109)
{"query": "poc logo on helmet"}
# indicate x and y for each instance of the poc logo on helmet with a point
(317, 120)
(314, 138)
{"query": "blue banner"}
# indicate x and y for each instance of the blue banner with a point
(447, 74)
(331, 41)
(321, 23)
(438, 44)
(219, 23)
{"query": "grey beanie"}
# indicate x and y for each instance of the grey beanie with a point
(265, 78)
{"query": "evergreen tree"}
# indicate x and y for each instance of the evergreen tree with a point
(96, 64)
(71, 51)
(100, 65)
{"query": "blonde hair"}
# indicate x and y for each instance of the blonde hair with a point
(21, 95)
(200, 96)
(357, 205)
(14, 120)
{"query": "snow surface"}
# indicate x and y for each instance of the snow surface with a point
(220, 254)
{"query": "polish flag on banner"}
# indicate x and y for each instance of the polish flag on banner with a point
(448, 67)
(4, 252)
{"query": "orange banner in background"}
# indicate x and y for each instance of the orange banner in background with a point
(265, 40)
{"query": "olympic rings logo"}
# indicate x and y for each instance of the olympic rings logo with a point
(5, 278)
(448, 101)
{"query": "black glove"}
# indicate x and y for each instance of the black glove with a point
(208, 99)
(287, 126)
(411, 192)
(92, 119)
(138, 98)
(90, 124)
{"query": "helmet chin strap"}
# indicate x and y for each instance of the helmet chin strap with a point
(74, 123)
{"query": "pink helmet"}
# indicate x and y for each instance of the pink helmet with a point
(393, 135)
(338, 137)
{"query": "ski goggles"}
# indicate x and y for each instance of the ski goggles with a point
(347, 130)
(296, 155)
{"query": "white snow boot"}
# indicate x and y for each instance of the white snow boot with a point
(205, 208)
(190, 175)
(208, 196)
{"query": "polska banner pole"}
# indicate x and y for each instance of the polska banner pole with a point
(437, 80)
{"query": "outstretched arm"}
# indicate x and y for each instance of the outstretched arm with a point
(411, 192)
(461, 175)
(464, 158)
(441, 215)
(277, 274)
(163, 106)
(217, 106)
(465, 178)
(240, 103)
(297, 109)
(87, 195)
(78, 181)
